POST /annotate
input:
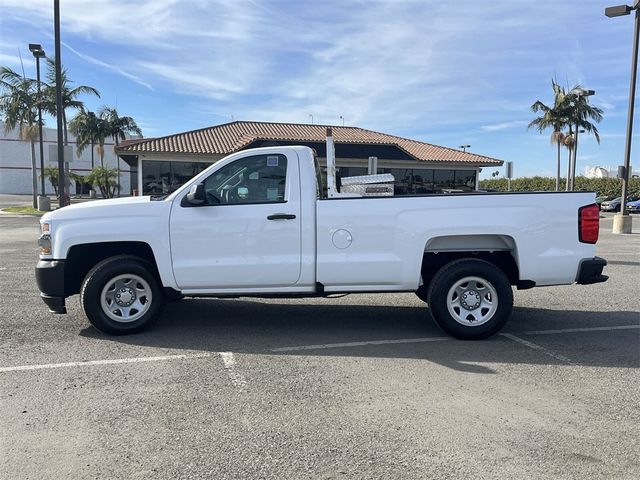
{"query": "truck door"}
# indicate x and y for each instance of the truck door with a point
(247, 232)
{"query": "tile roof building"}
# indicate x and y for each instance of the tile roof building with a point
(419, 167)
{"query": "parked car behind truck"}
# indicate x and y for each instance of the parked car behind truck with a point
(258, 223)
(615, 204)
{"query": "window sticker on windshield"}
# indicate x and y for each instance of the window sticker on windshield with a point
(272, 194)
(254, 176)
(272, 160)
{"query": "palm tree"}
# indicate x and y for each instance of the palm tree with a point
(19, 110)
(555, 117)
(89, 130)
(580, 114)
(118, 127)
(69, 95)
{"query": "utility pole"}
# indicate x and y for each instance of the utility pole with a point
(62, 198)
(622, 222)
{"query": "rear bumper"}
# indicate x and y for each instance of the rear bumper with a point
(50, 280)
(590, 271)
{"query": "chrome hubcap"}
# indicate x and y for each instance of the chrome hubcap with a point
(126, 298)
(472, 301)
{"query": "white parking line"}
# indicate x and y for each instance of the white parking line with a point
(359, 344)
(541, 349)
(586, 329)
(21, 368)
(230, 365)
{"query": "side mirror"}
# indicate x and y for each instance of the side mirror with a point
(196, 196)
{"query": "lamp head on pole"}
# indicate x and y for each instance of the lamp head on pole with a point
(617, 11)
(36, 49)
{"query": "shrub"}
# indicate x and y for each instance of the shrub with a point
(52, 174)
(611, 187)
(105, 179)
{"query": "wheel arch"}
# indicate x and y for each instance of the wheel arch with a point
(499, 250)
(83, 257)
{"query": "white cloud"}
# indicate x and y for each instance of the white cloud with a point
(505, 125)
(108, 66)
(10, 60)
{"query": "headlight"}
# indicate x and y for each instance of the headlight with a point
(44, 242)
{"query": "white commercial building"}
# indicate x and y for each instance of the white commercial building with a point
(607, 172)
(165, 163)
(15, 163)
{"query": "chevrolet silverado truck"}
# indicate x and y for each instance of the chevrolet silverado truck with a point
(264, 223)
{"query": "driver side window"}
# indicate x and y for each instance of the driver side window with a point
(255, 179)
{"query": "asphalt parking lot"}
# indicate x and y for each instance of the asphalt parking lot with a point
(362, 386)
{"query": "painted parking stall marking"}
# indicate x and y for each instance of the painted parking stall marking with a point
(117, 361)
(539, 348)
(359, 344)
(230, 365)
(578, 330)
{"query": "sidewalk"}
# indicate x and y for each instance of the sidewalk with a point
(9, 200)
(14, 200)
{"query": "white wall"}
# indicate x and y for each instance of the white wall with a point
(15, 162)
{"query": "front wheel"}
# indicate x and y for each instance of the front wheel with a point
(121, 295)
(470, 299)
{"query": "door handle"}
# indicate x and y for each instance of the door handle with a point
(281, 216)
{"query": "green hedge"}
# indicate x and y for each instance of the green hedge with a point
(603, 186)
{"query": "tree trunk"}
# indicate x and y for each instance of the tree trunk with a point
(34, 175)
(64, 124)
(558, 169)
(118, 165)
(569, 163)
(568, 170)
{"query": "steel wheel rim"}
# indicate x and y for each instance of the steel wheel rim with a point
(126, 298)
(472, 301)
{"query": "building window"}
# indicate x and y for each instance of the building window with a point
(161, 177)
(444, 180)
(465, 180)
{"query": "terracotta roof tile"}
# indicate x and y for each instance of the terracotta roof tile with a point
(232, 137)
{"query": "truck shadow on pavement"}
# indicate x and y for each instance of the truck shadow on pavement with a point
(255, 327)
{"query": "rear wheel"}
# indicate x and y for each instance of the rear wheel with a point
(470, 299)
(121, 295)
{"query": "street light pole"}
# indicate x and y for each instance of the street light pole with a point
(38, 53)
(61, 174)
(464, 147)
(622, 222)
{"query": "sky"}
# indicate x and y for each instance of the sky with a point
(449, 73)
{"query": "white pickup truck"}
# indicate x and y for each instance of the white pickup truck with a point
(261, 223)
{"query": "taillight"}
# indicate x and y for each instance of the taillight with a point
(588, 223)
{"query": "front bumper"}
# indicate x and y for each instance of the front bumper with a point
(590, 271)
(50, 280)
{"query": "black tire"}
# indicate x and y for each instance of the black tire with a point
(444, 281)
(104, 272)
